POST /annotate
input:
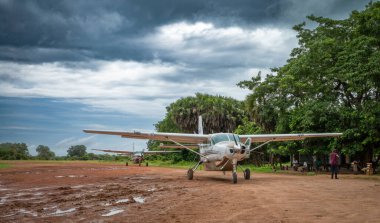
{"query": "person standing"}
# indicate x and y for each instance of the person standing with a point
(334, 159)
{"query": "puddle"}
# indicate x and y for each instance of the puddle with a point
(9, 215)
(60, 212)
(74, 176)
(20, 194)
(140, 200)
(35, 188)
(3, 200)
(122, 201)
(113, 212)
(28, 212)
(48, 208)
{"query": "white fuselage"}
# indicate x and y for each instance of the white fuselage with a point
(223, 149)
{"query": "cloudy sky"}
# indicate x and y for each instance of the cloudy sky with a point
(72, 65)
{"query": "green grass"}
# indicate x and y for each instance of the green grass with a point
(188, 164)
(4, 165)
(181, 164)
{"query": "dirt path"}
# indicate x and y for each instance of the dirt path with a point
(83, 192)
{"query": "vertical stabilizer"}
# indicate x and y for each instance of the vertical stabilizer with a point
(200, 125)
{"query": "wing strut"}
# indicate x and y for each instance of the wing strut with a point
(185, 147)
(261, 145)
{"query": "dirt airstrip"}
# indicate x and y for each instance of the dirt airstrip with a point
(88, 192)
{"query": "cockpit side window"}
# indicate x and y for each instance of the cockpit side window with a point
(219, 138)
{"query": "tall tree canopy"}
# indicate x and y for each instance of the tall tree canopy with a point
(330, 83)
(43, 152)
(220, 114)
(14, 151)
(77, 152)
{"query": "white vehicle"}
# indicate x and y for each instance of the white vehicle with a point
(219, 151)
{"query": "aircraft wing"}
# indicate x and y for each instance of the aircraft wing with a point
(178, 147)
(115, 151)
(286, 137)
(159, 136)
(160, 152)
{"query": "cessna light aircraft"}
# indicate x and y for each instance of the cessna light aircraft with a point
(136, 156)
(219, 151)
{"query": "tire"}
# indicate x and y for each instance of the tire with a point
(247, 174)
(234, 178)
(146, 164)
(190, 174)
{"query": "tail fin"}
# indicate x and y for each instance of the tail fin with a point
(200, 125)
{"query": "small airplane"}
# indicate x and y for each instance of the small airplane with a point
(136, 156)
(218, 151)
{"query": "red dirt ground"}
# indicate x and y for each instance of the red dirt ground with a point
(88, 192)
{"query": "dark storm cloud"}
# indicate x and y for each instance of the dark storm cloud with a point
(44, 31)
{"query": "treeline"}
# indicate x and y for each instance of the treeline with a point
(20, 151)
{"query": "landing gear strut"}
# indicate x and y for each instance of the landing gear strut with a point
(234, 178)
(234, 174)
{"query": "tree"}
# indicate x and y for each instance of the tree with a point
(330, 83)
(220, 114)
(44, 153)
(14, 151)
(77, 152)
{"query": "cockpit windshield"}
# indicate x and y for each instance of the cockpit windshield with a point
(225, 137)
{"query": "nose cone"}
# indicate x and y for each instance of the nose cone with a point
(237, 149)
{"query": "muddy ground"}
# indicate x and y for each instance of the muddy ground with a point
(85, 192)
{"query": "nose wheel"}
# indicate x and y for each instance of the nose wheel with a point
(234, 178)
(234, 173)
(190, 174)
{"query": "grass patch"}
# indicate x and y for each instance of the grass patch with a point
(4, 165)
(188, 164)
(181, 164)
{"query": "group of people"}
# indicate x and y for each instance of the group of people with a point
(334, 162)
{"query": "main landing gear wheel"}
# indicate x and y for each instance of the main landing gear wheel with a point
(190, 174)
(146, 164)
(247, 174)
(234, 178)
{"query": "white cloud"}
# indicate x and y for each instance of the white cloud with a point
(204, 43)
